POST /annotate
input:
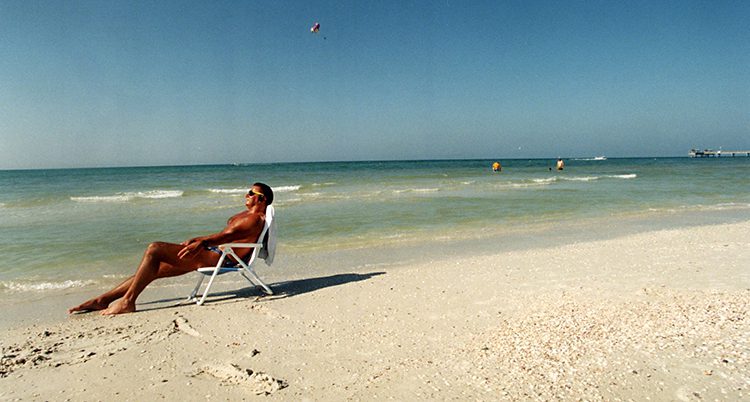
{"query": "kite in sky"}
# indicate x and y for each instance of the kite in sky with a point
(315, 28)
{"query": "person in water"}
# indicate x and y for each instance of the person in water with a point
(560, 164)
(162, 260)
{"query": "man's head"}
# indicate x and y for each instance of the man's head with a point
(265, 189)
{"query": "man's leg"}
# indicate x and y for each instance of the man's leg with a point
(159, 261)
(102, 301)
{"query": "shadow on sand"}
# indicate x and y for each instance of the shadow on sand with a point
(281, 290)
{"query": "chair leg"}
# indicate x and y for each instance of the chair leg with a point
(208, 285)
(191, 297)
(255, 280)
(210, 281)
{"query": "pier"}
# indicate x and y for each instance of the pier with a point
(710, 153)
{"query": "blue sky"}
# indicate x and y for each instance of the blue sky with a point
(100, 83)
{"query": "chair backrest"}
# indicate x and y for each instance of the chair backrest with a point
(270, 211)
(261, 252)
(267, 237)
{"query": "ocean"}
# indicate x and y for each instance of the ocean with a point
(83, 230)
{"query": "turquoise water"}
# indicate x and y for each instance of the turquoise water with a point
(70, 228)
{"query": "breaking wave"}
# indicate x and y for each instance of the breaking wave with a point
(130, 196)
(228, 190)
(286, 189)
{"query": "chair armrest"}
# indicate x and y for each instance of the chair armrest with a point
(241, 245)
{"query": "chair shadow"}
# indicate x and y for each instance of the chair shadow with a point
(281, 290)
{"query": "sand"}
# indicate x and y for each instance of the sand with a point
(660, 315)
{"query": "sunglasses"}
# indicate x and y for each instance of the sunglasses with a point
(251, 193)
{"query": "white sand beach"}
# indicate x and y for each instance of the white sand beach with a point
(660, 315)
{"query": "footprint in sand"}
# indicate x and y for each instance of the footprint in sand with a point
(181, 324)
(230, 374)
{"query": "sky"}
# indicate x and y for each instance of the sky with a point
(143, 83)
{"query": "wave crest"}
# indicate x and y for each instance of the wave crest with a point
(228, 190)
(125, 197)
(583, 178)
(544, 181)
(286, 189)
(416, 190)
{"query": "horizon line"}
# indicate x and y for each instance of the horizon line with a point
(331, 161)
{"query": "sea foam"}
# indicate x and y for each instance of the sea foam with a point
(228, 190)
(416, 190)
(286, 189)
(545, 181)
(43, 286)
(279, 189)
(129, 196)
(582, 178)
(722, 206)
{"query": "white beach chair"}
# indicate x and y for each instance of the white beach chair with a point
(264, 248)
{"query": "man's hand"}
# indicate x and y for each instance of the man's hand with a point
(191, 246)
(194, 239)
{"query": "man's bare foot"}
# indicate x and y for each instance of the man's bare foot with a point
(119, 307)
(89, 305)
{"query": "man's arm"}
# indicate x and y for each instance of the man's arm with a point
(238, 230)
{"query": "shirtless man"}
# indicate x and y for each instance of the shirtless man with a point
(162, 260)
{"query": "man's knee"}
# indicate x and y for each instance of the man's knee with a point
(155, 247)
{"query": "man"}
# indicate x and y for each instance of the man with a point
(162, 260)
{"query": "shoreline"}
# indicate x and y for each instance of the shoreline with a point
(660, 314)
(43, 307)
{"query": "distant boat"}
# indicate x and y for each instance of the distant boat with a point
(600, 158)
